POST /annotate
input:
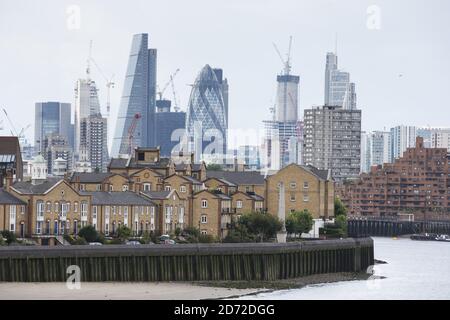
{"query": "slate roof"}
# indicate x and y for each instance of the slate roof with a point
(7, 198)
(323, 174)
(29, 188)
(196, 166)
(90, 177)
(157, 195)
(118, 163)
(117, 198)
(239, 178)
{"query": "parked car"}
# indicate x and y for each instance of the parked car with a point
(133, 243)
(95, 243)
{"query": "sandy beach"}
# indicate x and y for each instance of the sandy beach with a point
(117, 291)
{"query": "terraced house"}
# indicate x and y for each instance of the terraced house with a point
(152, 194)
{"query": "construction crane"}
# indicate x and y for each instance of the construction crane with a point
(21, 134)
(109, 81)
(131, 130)
(175, 102)
(286, 63)
(161, 92)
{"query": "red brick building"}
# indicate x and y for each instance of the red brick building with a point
(418, 183)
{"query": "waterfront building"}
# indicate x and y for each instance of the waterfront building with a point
(51, 118)
(416, 183)
(332, 140)
(138, 98)
(339, 91)
(206, 117)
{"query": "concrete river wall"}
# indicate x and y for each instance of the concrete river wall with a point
(190, 262)
(387, 228)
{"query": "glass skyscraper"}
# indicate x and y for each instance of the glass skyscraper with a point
(339, 91)
(206, 119)
(138, 97)
(51, 118)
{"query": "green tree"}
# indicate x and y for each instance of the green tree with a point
(124, 233)
(299, 222)
(89, 233)
(341, 222)
(9, 236)
(339, 207)
(214, 167)
(262, 225)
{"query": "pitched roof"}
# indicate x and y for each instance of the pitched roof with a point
(90, 177)
(323, 174)
(250, 195)
(239, 178)
(7, 198)
(157, 195)
(117, 198)
(216, 194)
(118, 163)
(224, 181)
(29, 188)
(197, 166)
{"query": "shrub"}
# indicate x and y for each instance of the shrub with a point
(124, 233)
(299, 222)
(261, 225)
(9, 236)
(89, 234)
(80, 241)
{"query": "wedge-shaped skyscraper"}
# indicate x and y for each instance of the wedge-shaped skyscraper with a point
(138, 97)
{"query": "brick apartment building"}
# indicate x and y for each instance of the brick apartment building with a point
(417, 183)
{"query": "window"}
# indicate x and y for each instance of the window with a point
(204, 219)
(107, 209)
(305, 198)
(98, 187)
(204, 232)
(56, 207)
(22, 209)
(111, 188)
(167, 188)
(113, 210)
(75, 207)
(183, 189)
(292, 197)
(82, 187)
(147, 186)
(49, 206)
(293, 185)
(125, 216)
(38, 227)
(141, 156)
(204, 203)
(125, 187)
(94, 212)
(84, 209)
(305, 185)
(239, 204)
(40, 209)
(247, 189)
(181, 215)
(12, 218)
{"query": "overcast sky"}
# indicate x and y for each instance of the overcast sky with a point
(397, 52)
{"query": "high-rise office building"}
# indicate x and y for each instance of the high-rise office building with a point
(374, 149)
(86, 104)
(339, 91)
(401, 138)
(365, 151)
(206, 122)
(138, 97)
(167, 124)
(94, 142)
(57, 147)
(332, 140)
(51, 118)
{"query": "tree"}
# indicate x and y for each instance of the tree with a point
(299, 222)
(262, 225)
(339, 207)
(214, 167)
(123, 233)
(9, 236)
(89, 233)
(341, 222)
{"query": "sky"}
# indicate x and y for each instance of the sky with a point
(397, 52)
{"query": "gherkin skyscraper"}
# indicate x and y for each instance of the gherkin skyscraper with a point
(138, 97)
(206, 119)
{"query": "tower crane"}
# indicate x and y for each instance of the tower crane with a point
(286, 63)
(131, 130)
(109, 81)
(21, 134)
(160, 93)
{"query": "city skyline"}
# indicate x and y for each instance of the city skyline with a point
(63, 61)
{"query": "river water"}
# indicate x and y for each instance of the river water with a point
(414, 270)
